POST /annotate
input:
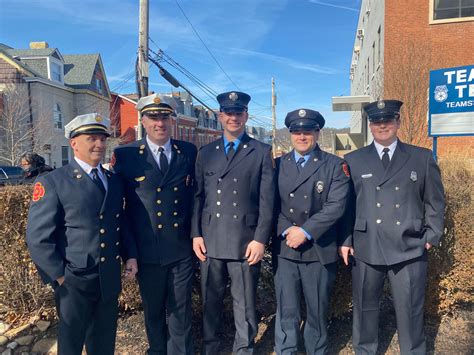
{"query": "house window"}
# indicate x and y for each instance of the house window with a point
(57, 117)
(98, 85)
(452, 9)
(56, 72)
(64, 155)
(379, 45)
(373, 58)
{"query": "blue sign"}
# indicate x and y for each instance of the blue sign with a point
(451, 96)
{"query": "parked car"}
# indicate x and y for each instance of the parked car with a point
(11, 175)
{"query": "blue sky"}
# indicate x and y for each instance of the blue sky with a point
(306, 45)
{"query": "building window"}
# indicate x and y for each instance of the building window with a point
(64, 155)
(56, 72)
(452, 9)
(98, 85)
(373, 58)
(57, 117)
(379, 45)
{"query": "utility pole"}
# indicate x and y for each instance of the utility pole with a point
(142, 69)
(273, 118)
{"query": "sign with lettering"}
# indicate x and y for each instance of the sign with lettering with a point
(451, 102)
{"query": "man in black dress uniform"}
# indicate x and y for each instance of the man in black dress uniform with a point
(232, 222)
(399, 216)
(158, 172)
(313, 191)
(76, 236)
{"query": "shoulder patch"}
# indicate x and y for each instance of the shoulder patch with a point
(345, 168)
(38, 192)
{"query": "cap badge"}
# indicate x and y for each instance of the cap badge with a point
(302, 113)
(413, 176)
(381, 104)
(98, 118)
(157, 100)
(233, 96)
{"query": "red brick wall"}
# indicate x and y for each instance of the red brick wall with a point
(450, 45)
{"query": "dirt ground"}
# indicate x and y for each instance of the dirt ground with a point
(452, 334)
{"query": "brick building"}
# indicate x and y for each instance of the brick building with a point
(397, 43)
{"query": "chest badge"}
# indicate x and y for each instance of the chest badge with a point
(413, 176)
(319, 186)
(140, 178)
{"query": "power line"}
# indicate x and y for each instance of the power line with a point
(205, 46)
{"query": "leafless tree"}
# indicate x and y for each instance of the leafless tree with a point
(407, 79)
(19, 133)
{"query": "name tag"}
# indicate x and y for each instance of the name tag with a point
(366, 176)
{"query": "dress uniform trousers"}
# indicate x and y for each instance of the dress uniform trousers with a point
(407, 283)
(244, 278)
(316, 281)
(161, 289)
(84, 317)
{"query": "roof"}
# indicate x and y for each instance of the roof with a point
(42, 52)
(79, 68)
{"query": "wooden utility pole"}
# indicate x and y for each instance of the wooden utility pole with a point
(142, 70)
(273, 118)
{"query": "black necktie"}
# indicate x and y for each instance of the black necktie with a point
(230, 150)
(299, 164)
(163, 161)
(96, 179)
(385, 158)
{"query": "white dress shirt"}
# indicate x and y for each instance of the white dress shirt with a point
(156, 154)
(88, 169)
(380, 148)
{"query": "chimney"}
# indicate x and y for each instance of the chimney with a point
(39, 45)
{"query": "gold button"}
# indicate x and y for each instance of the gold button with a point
(234, 192)
(101, 216)
(102, 231)
(292, 195)
(176, 225)
(219, 191)
(159, 214)
(235, 180)
(102, 259)
(378, 188)
(397, 188)
(306, 212)
(305, 196)
(117, 257)
(175, 213)
(160, 226)
(175, 188)
(158, 189)
(235, 216)
(218, 215)
(218, 203)
(175, 202)
(118, 228)
(117, 215)
(378, 221)
(397, 206)
(291, 210)
(219, 179)
(398, 223)
(102, 245)
(379, 204)
(235, 204)
(158, 202)
(117, 243)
